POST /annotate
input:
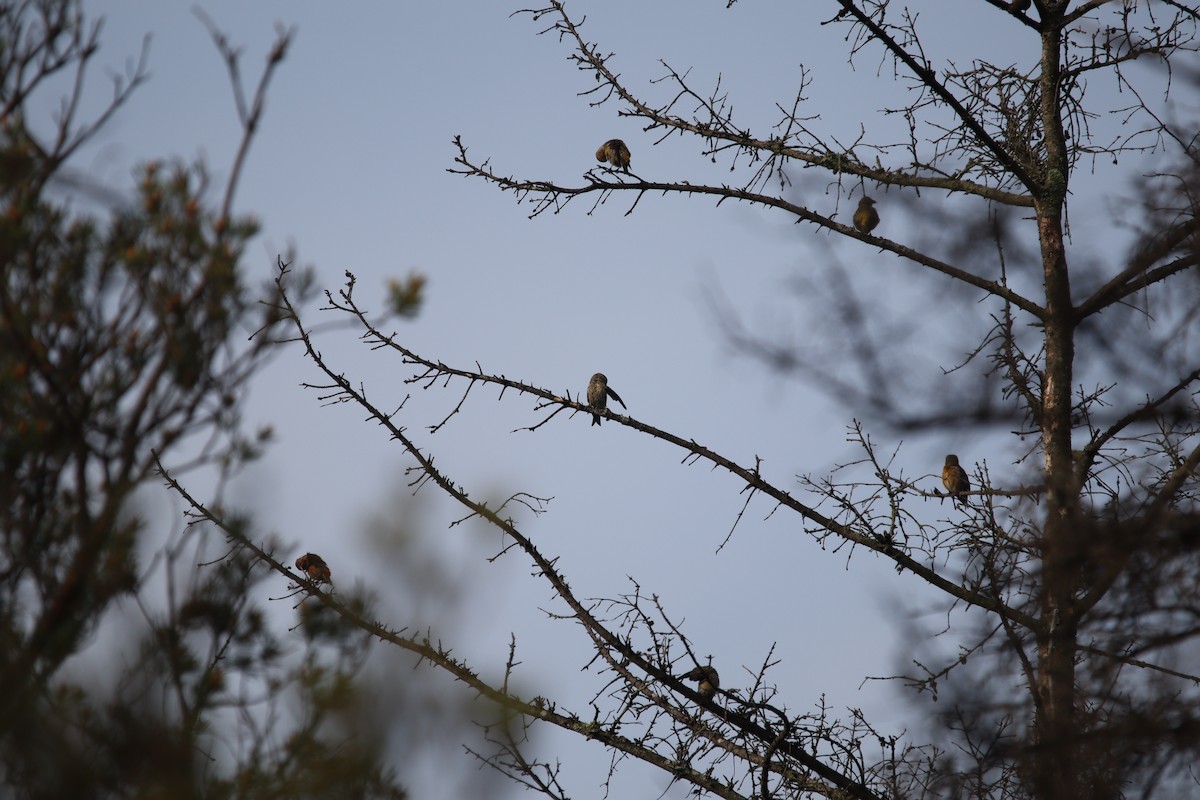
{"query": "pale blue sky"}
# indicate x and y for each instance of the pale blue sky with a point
(350, 167)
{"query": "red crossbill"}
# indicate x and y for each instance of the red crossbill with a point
(614, 152)
(954, 478)
(707, 678)
(866, 217)
(598, 394)
(315, 568)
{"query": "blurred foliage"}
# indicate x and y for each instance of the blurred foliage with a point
(123, 341)
(406, 297)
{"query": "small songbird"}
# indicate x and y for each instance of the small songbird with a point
(598, 394)
(707, 678)
(315, 568)
(954, 478)
(866, 217)
(614, 152)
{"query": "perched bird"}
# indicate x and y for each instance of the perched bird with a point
(707, 678)
(598, 394)
(954, 478)
(1019, 6)
(866, 217)
(315, 568)
(614, 152)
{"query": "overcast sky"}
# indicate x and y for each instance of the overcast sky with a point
(350, 168)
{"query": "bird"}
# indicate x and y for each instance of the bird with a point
(614, 152)
(954, 478)
(598, 393)
(1018, 6)
(707, 679)
(313, 566)
(865, 216)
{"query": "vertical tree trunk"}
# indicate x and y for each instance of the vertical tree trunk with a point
(1056, 726)
(1057, 774)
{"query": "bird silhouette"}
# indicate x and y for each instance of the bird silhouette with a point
(865, 216)
(955, 479)
(315, 568)
(598, 393)
(707, 679)
(614, 152)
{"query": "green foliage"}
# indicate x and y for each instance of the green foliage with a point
(406, 297)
